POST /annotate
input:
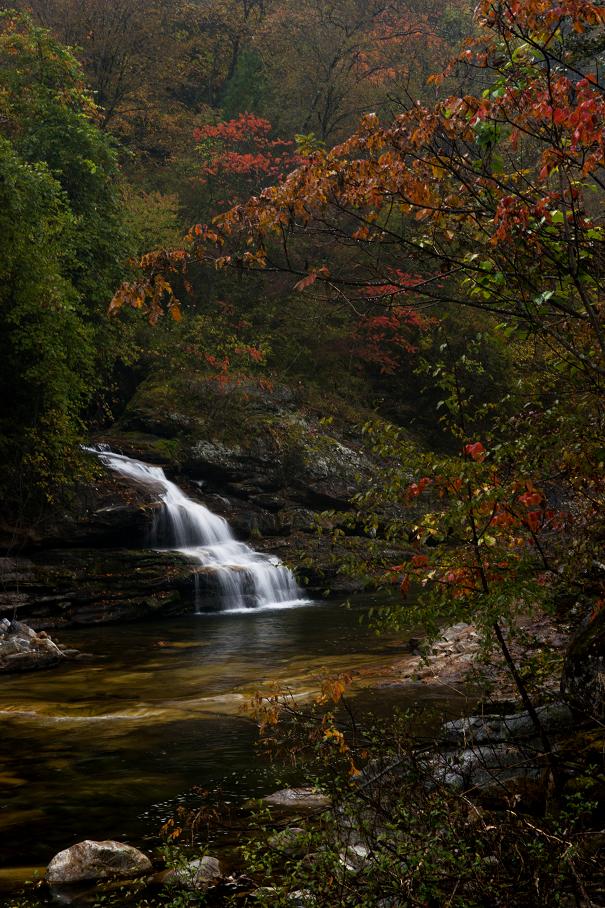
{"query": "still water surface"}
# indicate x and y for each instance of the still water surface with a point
(107, 748)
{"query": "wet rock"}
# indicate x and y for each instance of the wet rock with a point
(355, 858)
(298, 799)
(107, 511)
(270, 502)
(196, 875)
(218, 461)
(327, 472)
(499, 759)
(456, 631)
(303, 519)
(90, 860)
(22, 649)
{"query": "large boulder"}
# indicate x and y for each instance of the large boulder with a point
(97, 861)
(486, 767)
(252, 439)
(105, 511)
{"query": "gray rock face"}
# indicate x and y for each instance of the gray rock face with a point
(498, 757)
(313, 469)
(108, 511)
(90, 860)
(254, 440)
(196, 875)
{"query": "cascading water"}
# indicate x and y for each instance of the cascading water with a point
(246, 579)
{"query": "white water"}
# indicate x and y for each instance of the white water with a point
(246, 579)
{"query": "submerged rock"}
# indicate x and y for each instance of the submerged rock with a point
(90, 860)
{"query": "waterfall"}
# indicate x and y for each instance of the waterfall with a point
(246, 579)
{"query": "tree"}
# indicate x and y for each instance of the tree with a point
(150, 64)
(46, 351)
(340, 60)
(239, 158)
(119, 43)
(64, 246)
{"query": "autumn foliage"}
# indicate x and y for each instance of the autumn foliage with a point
(240, 157)
(443, 192)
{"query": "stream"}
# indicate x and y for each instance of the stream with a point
(108, 747)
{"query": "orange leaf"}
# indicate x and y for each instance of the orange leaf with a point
(306, 282)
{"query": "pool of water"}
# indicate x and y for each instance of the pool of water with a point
(105, 748)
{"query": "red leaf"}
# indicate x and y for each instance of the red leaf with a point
(475, 450)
